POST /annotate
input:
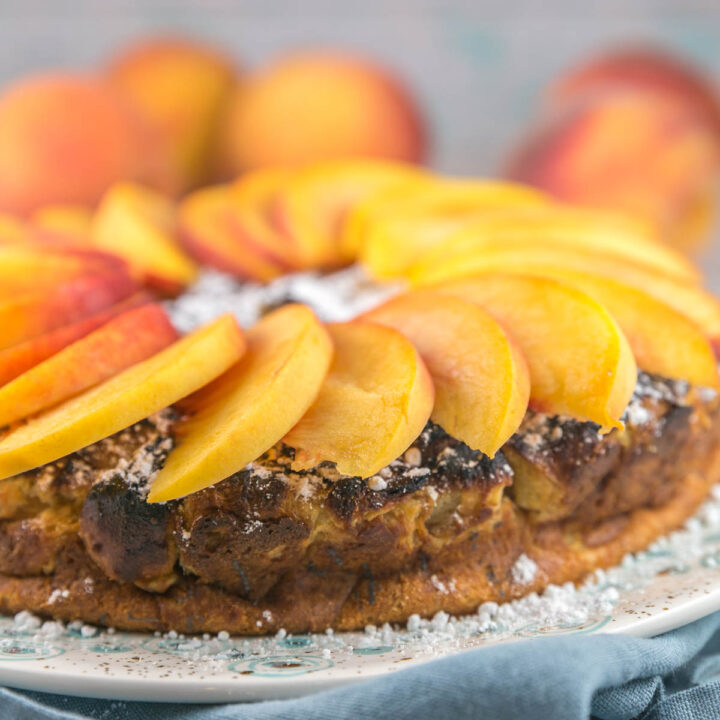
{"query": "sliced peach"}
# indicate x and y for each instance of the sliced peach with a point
(30, 314)
(32, 267)
(127, 398)
(12, 229)
(393, 245)
(375, 401)
(250, 210)
(17, 359)
(68, 224)
(580, 362)
(663, 340)
(557, 226)
(122, 342)
(434, 206)
(206, 231)
(481, 379)
(310, 209)
(138, 225)
(690, 300)
(249, 409)
(521, 256)
(696, 221)
(358, 217)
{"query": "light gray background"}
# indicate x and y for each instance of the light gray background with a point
(477, 67)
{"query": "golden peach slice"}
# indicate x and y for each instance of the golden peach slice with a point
(138, 225)
(12, 229)
(29, 314)
(206, 231)
(390, 230)
(481, 379)
(563, 227)
(309, 211)
(688, 299)
(580, 362)
(392, 245)
(353, 227)
(123, 341)
(65, 224)
(696, 223)
(33, 267)
(252, 406)
(375, 401)
(17, 359)
(663, 340)
(127, 398)
(250, 209)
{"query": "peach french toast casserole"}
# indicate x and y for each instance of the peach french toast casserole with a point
(532, 398)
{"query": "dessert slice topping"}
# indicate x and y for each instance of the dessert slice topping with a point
(375, 401)
(117, 403)
(481, 379)
(249, 409)
(580, 362)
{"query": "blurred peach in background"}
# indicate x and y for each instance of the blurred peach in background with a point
(634, 130)
(321, 106)
(181, 89)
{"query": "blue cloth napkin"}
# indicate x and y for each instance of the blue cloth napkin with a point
(675, 676)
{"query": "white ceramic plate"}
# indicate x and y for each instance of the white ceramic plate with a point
(674, 582)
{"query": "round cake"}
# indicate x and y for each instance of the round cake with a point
(500, 393)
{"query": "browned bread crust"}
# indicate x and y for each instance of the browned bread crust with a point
(306, 602)
(81, 544)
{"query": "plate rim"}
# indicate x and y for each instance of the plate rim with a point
(248, 689)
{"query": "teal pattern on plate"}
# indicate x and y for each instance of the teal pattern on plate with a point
(281, 665)
(20, 649)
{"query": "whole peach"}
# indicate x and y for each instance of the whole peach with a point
(636, 151)
(65, 138)
(321, 106)
(642, 68)
(180, 88)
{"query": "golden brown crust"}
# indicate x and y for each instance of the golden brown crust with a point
(255, 555)
(313, 602)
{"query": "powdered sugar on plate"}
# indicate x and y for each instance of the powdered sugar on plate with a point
(673, 582)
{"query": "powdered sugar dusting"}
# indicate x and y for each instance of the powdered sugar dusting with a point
(377, 483)
(138, 472)
(524, 570)
(57, 595)
(334, 297)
